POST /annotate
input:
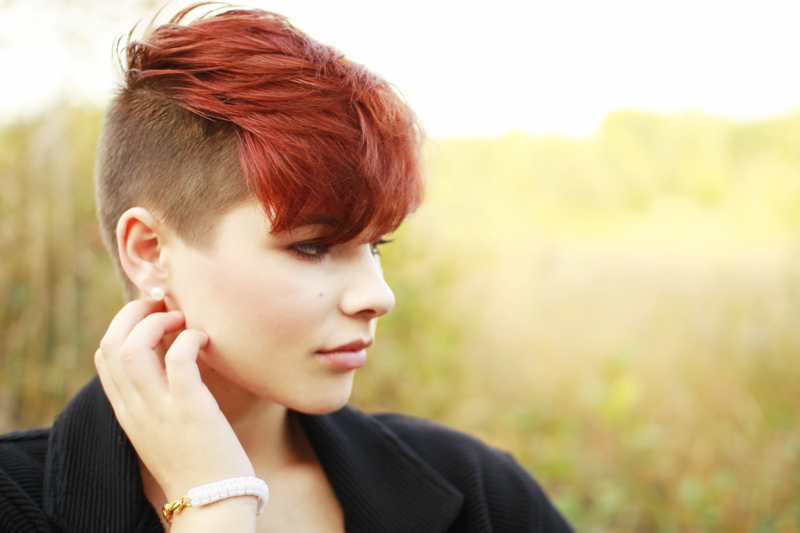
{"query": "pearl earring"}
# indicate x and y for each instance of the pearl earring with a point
(157, 293)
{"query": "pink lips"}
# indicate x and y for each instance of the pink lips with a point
(348, 356)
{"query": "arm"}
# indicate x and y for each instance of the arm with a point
(170, 416)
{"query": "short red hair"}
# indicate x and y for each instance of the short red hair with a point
(316, 133)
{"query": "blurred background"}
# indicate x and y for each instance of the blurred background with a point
(605, 277)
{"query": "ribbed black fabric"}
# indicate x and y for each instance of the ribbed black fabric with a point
(391, 474)
(498, 494)
(22, 457)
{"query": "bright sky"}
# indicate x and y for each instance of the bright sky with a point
(469, 68)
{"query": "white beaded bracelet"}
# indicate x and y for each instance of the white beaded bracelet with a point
(227, 488)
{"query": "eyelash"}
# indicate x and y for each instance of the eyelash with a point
(373, 246)
(311, 251)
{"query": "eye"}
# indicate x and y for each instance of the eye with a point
(310, 250)
(373, 246)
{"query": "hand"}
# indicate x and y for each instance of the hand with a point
(170, 416)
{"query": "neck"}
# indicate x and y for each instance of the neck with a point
(270, 435)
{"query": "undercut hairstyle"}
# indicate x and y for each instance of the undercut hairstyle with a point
(239, 105)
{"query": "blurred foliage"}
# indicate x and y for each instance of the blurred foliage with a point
(58, 291)
(618, 312)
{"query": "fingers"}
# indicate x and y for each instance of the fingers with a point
(116, 335)
(130, 366)
(130, 315)
(137, 353)
(181, 362)
(151, 330)
(105, 379)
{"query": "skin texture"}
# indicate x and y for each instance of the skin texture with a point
(208, 374)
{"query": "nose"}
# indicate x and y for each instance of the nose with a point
(366, 293)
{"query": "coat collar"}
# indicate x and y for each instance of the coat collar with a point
(380, 482)
(93, 484)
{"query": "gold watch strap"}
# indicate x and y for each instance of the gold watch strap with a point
(175, 507)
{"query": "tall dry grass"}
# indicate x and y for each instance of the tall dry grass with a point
(619, 312)
(58, 292)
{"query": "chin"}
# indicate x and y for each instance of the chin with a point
(324, 400)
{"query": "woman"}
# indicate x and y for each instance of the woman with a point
(245, 177)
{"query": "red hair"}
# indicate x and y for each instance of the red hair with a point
(240, 104)
(316, 132)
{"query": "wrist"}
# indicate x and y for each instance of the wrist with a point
(178, 487)
(233, 488)
(232, 514)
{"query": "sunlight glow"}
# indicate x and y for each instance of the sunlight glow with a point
(469, 68)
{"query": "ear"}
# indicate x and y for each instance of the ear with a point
(140, 238)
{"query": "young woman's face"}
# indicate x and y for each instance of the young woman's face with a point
(275, 308)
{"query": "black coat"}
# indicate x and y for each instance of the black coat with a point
(391, 473)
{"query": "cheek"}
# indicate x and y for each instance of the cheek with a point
(275, 305)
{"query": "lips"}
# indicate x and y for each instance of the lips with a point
(347, 356)
(349, 347)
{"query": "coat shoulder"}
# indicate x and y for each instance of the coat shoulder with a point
(22, 462)
(22, 457)
(493, 482)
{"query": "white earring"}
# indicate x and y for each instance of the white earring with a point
(157, 293)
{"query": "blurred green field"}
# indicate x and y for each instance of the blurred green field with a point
(618, 312)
